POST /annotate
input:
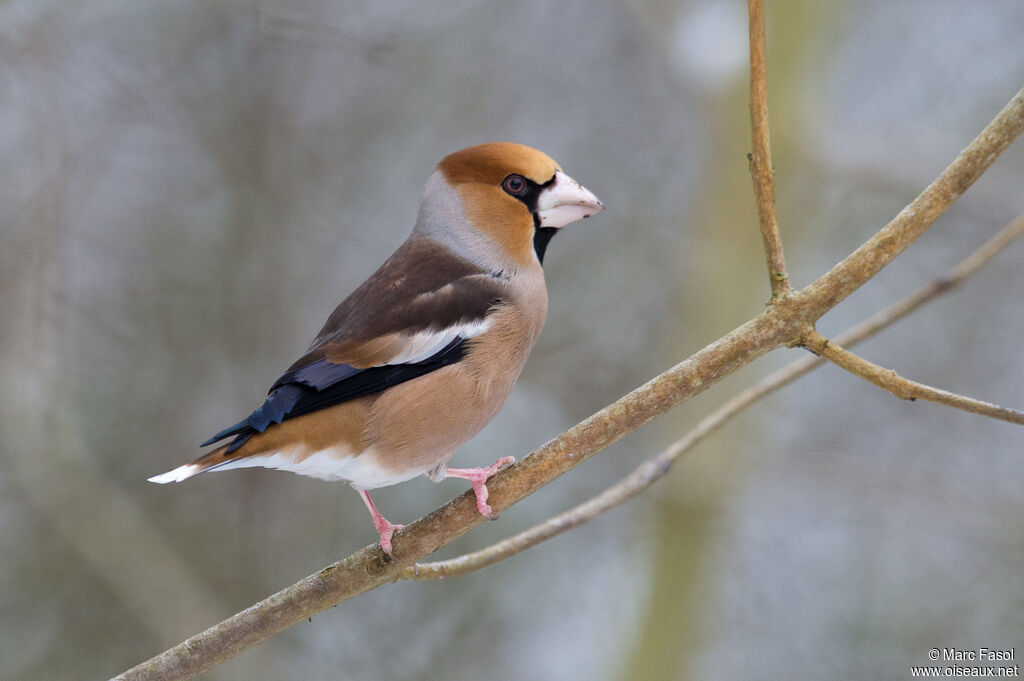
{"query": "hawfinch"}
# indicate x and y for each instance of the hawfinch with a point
(422, 355)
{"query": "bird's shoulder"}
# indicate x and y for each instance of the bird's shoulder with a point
(421, 298)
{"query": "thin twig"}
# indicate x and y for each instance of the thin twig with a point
(965, 268)
(901, 387)
(761, 169)
(881, 249)
(653, 469)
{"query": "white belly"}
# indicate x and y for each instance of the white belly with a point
(334, 463)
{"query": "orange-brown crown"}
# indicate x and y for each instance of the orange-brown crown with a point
(490, 163)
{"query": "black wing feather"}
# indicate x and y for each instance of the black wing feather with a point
(323, 384)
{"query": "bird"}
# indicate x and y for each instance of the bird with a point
(425, 352)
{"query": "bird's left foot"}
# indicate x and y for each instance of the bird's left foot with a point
(385, 528)
(478, 477)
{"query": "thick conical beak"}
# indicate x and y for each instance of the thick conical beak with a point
(565, 201)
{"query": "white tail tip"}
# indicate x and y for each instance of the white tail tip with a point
(177, 475)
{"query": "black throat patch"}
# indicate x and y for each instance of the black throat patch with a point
(541, 238)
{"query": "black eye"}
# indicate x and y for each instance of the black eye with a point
(514, 185)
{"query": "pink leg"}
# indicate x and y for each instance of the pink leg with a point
(384, 528)
(478, 477)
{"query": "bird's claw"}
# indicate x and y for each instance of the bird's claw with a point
(386, 530)
(478, 477)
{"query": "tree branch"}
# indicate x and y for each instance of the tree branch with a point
(369, 567)
(956, 275)
(904, 388)
(760, 158)
(914, 220)
(653, 469)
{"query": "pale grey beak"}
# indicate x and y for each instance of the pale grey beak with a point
(565, 201)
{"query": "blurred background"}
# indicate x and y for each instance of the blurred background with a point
(189, 188)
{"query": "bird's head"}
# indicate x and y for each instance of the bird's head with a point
(516, 195)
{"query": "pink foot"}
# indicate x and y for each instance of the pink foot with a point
(384, 528)
(478, 477)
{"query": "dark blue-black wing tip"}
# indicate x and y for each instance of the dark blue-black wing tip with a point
(323, 383)
(274, 410)
(242, 432)
(239, 427)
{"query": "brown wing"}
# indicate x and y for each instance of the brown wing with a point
(409, 318)
(422, 291)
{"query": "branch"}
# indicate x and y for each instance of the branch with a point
(957, 274)
(369, 568)
(868, 260)
(782, 323)
(760, 158)
(659, 465)
(904, 388)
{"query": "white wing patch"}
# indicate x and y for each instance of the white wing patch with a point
(426, 344)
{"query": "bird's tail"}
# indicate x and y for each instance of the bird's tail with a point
(211, 459)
